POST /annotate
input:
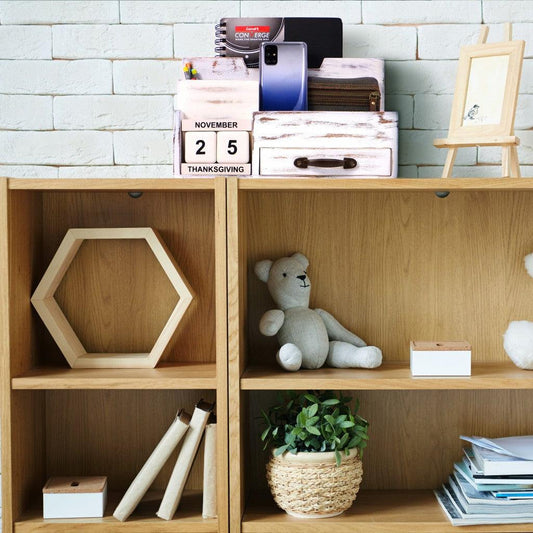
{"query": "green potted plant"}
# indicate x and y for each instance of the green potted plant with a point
(317, 443)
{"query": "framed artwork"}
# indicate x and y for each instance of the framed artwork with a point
(486, 90)
(485, 99)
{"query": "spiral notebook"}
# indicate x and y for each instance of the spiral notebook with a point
(242, 37)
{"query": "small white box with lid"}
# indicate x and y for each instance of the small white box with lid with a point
(449, 358)
(83, 497)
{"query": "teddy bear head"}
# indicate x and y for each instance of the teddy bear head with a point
(286, 280)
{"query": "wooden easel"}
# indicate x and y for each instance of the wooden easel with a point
(509, 143)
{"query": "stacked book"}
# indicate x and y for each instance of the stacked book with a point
(190, 430)
(493, 484)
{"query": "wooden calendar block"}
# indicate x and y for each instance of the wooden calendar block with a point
(233, 147)
(200, 147)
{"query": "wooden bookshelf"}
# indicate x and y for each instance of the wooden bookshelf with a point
(389, 259)
(59, 421)
(394, 262)
(188, 518)
(415, 511)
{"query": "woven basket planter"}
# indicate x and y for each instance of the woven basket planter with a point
(311, 485)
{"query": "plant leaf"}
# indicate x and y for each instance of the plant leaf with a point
(280, 450)
(331, 401)
(338, 457)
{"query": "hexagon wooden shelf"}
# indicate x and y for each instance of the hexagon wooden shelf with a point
(53, 317)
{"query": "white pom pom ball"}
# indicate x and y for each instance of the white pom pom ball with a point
(518, 339)
(528, 260)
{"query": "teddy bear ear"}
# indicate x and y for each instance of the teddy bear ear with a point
(301, 259)
(262, 269)
(528, 260)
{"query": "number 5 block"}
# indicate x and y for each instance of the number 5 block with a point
(233, 147)
(200, 147)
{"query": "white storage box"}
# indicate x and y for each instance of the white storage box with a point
(451, 358)
(340, 144)
(227, 90)
(84, 497)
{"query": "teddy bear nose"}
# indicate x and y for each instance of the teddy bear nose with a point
(302, 277)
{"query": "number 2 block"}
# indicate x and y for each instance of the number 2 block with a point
(233, 147)
(200, 147)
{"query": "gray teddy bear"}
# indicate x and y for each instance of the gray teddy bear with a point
(308, 337)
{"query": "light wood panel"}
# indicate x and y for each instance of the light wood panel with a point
(390, 376)
(236, 354)
(22, 412)
(185, 221)
(221, 325)
(5, 364)
(414, 435)
(125, 184)
(394, 267)
(188, 518)
(400, 184)
(372, 512)
(165, 376)
(112, 433)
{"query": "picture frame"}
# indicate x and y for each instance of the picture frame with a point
(485, 100)
(476, 111)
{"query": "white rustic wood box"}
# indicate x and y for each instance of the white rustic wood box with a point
(227, 89)
(450, 358)
(337, 144)
(84, 497)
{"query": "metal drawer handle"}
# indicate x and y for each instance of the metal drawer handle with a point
(304, 162)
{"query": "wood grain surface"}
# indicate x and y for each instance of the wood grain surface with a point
(127, 276)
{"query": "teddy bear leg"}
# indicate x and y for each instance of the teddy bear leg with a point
(345, 355)
(289, 357)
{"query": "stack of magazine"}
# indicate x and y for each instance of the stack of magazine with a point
(493, 484)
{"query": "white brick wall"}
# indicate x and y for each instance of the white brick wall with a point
(93, 76)
(56, 147)
(421, 11)
(58, 12)
(24, 112)
(113, 112)
(114, 41)
(26, 42)
(86, 86)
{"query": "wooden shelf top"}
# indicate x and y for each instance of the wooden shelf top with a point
(388, 184)
(207, 183)
(188, 518)
(390, 376)
(165, 376)
(104, 184)
(372, 512)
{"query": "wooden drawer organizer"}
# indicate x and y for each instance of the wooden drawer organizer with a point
(294, 144)
(372, 135)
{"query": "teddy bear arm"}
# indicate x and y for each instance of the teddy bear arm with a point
(337, 332)
(271, 322)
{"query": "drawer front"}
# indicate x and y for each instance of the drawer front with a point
(370, 162)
